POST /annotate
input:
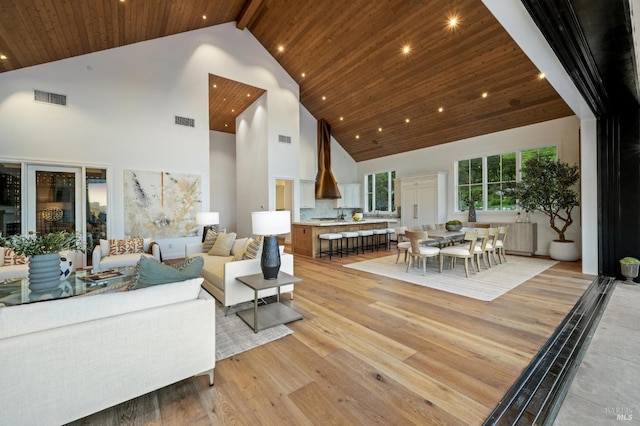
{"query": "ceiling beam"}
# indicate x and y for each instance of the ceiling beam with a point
(248, 13)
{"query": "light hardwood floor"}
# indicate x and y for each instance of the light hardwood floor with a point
(372, 350)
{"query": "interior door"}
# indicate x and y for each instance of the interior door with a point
(54, 199)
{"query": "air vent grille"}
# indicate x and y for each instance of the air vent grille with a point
(284, 139)
(185, 121)
(49, 98)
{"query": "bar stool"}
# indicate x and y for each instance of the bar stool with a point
(369, 244)
(331, 237)
(353, 236)
(377, 236)
(391, 232)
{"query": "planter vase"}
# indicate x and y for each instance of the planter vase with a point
(472, 213)
(629, 271)
(44, 272)
(566, 251)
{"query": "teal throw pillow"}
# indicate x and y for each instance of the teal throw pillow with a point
(150, 272)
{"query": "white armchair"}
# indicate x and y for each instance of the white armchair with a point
(102, 260)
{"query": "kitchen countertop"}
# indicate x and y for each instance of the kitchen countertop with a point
(337, 222)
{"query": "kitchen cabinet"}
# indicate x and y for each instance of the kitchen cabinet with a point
(351, 198)
(307, 194)
(423, 199)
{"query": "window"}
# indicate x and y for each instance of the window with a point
(10, 199)
(487, 180)
(470, 183)
(501, 176)
(380, 192)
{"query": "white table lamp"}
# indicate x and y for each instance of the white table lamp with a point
(207, 219)
(271, 224)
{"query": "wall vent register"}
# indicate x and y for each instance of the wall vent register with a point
(185, 121)
(49, 98)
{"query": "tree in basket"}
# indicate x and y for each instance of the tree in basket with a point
(44, 255)
(549, 187)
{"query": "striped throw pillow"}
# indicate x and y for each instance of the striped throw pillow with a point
(11, 258)
(254, 249)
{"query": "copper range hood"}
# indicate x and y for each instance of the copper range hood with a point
(326, 185)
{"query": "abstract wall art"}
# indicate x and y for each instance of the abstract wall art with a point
(161, 204)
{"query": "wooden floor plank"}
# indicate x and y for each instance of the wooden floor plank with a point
(373, 350)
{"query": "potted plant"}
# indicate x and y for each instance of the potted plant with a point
(44, 255)
(629, 268)
(453, 225)
(548, 186)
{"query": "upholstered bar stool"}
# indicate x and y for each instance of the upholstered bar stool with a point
(391, 237)
(366, 240)
(378, 235)
(353, 237)
(331, 238)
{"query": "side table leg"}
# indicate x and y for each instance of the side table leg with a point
(255, 311)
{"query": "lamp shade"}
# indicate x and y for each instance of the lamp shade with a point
(271, 222)
(207, 218)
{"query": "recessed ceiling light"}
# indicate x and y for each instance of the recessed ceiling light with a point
(233, 110)
(226, 125)
(121, 1)
(379, 129)
(204, 17)
(3, 57)
(280, 48)
(440, 109)
(304, 75)
(357, 136)
(406, 49)
(248, 95)
(485, 94)
(224, 99)
(324, 98)
(406, 120)
(341, 118)
(215, 86)
(453, 21)
(542, 76)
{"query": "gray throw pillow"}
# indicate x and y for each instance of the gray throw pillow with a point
(150, 272)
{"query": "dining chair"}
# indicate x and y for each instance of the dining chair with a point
(461, 251)
(480, 250)
(420, 252)
(500, 241)
(402, 246)
(490, 248)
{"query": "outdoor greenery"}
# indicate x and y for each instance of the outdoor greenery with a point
(382, 197)
(549, 186)
(32, 245)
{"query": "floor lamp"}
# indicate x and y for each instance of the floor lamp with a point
(207, 219)
(271, 224)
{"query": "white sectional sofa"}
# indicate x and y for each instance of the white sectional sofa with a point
(220, 272)
(64, 359)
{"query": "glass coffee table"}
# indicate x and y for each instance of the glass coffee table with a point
(16, 291)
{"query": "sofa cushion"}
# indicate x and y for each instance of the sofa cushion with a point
(14, 271)
(223, 244)
(132, 245)
(122, 260)
(12, 258)
(150, 272)
(213, 270)
(254, 249)
(32, 317)
(105, 247)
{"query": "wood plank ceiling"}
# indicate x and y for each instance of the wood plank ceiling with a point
(346, 56)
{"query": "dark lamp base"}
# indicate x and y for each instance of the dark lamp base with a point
(270, 262)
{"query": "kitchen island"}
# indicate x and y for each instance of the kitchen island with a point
(304, 235)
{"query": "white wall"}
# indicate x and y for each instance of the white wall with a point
(562, 132)
(122, 102)
(222, 178)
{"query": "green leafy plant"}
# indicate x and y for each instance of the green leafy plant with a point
(630, 260)
(548, 186)
(454, 222)
(33, 245)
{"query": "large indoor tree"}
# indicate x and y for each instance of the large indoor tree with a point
(549, 186)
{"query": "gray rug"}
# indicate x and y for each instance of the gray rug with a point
(233, 336)
(486, 285)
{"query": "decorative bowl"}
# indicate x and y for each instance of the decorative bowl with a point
(453, 227)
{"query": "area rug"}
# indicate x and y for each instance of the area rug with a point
(233, 336)
(486, 285)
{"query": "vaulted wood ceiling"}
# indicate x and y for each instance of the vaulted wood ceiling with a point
(378, 100)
